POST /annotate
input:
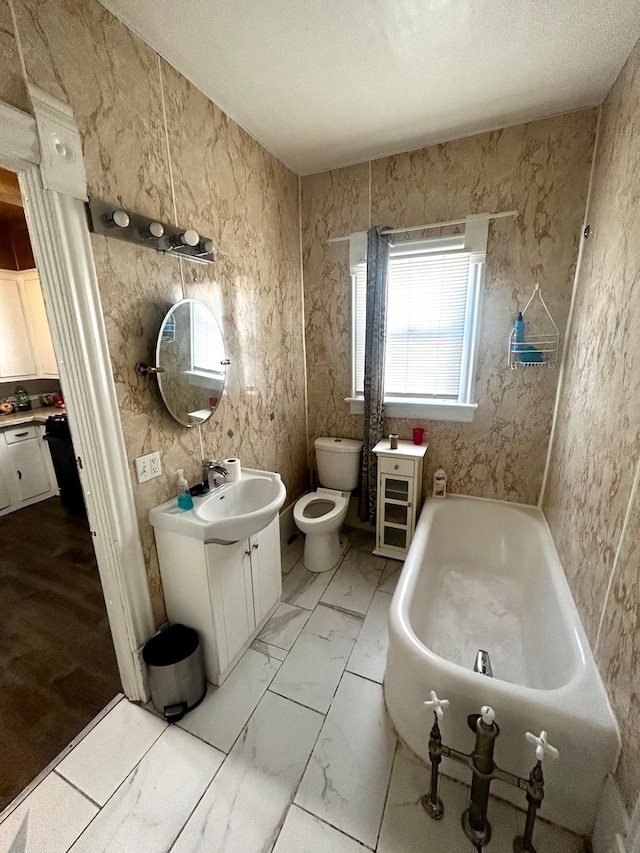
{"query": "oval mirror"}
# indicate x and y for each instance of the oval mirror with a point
(190, 355)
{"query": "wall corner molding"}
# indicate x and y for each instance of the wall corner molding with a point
(18, 137)
(62, 164)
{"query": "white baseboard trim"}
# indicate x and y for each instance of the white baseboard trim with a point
(612, 821)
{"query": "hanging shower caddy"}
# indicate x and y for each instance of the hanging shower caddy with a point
(540, 344)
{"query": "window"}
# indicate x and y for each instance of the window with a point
(207, 348)
(207, 351)
(432, 313)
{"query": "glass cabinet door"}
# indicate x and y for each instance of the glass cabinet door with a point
(395, 511)
(396, 489)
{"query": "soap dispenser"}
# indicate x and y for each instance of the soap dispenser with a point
(185, 501)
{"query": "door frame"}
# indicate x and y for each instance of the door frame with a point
(46, 154)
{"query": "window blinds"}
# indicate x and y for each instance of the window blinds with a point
(426, 315)
(207, 352)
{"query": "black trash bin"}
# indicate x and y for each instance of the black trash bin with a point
(176, 671)
(58, 436)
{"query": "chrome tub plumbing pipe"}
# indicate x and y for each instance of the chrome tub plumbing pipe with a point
(484, 770)
(474, 820)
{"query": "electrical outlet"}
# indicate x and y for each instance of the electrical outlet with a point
(148, 467)
(154, 464)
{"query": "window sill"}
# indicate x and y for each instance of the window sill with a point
(203, 379)
(428, 410)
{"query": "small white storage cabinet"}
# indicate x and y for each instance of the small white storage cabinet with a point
(26, 471)
(399, 496)
(226, 592)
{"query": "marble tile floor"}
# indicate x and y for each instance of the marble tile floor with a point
(293, 754)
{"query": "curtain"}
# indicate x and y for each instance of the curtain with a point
(375, 333)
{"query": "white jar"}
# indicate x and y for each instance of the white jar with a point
(439, 483)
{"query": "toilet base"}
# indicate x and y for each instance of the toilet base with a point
(323, 551)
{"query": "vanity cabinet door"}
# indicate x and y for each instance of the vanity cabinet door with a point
(266, 569)
(231, 598)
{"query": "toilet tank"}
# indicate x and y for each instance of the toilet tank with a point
(338, 462)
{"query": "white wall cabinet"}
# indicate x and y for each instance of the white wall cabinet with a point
(226, 592)
(46, 364)
(16, 353)
(399, 496)
(26, 351)
(26, 473)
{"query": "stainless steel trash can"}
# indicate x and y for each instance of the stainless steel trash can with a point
(176, 671)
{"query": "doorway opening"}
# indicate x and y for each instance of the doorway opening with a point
(58, 661)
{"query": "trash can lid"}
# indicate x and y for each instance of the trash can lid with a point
(171, 646)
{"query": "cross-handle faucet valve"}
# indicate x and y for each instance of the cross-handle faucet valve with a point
(542, 745)
(438, 705)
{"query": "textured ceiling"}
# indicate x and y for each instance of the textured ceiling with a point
(325, 83)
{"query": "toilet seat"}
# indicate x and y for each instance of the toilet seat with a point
(333, 496)
(323, 548)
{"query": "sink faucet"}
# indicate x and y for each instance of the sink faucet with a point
(213, 473)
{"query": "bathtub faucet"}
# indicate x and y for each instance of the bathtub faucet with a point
(474, 819)
(483, 663)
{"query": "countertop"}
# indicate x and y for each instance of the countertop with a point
(405, 448)
(33, 416)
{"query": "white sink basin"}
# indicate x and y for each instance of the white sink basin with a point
(229, 513)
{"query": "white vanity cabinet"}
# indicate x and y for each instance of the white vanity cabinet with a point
(225, 592)
(399, 496)
(26, 472)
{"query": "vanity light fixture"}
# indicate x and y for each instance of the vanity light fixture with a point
(110, 221)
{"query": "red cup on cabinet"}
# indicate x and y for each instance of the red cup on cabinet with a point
(418, 435)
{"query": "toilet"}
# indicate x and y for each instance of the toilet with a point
(320, 514)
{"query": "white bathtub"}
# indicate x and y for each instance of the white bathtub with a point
(485, 574)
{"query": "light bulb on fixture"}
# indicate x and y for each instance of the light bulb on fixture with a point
(118, 219)
(187, 238)
(156, 229)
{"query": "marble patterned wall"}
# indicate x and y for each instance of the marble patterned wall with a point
(540, 169)
(154, 143)
(12, 88)
(590, 501)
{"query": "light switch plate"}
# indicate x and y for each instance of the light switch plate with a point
(148, 467)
